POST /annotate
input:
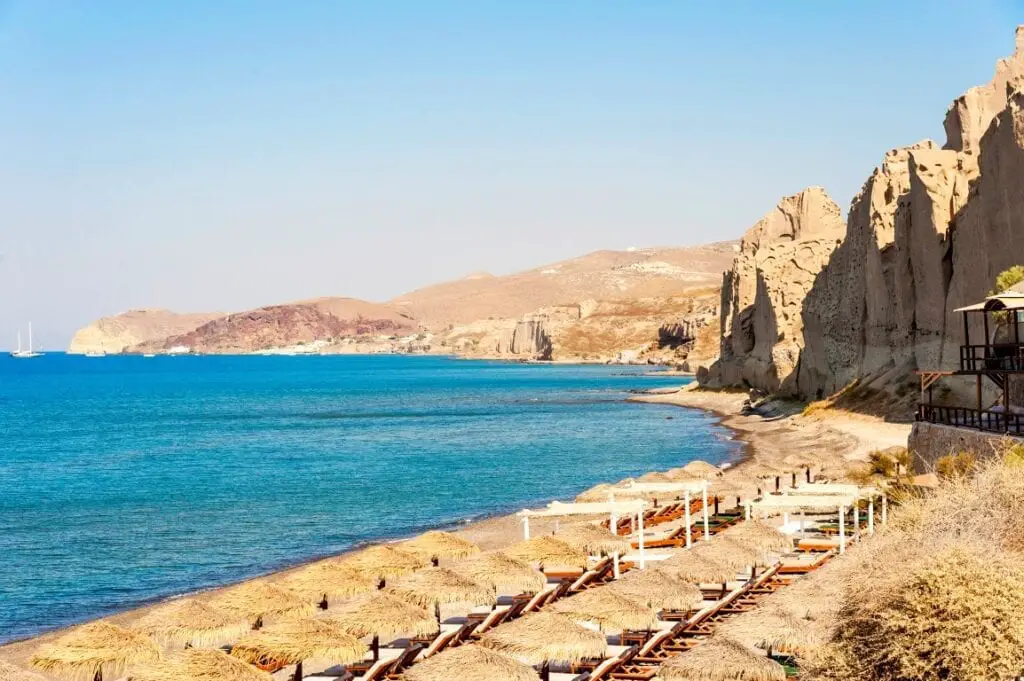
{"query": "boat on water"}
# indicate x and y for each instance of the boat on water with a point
(148, 355)
(96, 353)
(21, 353)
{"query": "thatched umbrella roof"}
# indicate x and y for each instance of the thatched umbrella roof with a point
(607, 609)
(97, 647)
(191, 621)
(470, 662)
(546, 637)
(198, 664)
(328, 580)
(657, 476)
(774, 629)
(597, 493)
(440, 585)
(436, 544)
(547, 550)
(259, 599)
(593, 539)
(678, 475)
(758, 534)
(690, 566)
(801, 460)
(383, 616)
(721, 659)
(292, 642)
(500, 571)
(729, 553)
(658, 589)
(702, 469)
(8, 672)
(385, 561)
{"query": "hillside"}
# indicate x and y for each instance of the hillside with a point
(115, 334)
(604, 275)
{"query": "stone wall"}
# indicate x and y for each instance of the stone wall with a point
(930, 441)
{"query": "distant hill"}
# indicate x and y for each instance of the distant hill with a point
(114, 334)
(603, 275)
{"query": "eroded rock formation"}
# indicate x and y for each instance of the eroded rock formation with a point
(114, 334)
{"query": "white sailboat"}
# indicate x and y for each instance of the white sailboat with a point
(25, 354)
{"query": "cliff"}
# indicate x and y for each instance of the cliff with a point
(114, 334)
(929, 231)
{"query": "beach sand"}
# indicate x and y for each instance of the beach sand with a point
(770, 434)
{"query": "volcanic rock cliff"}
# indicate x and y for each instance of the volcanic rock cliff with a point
(929, 231)
(114, 334)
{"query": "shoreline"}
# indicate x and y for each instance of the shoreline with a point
(764, 437)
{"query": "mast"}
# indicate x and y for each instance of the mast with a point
(30, 338)
(19, 342)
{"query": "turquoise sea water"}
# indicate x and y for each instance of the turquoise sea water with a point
(126, 479)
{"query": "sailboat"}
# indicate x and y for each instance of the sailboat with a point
(25, 354)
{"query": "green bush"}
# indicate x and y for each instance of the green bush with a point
(1007, 278)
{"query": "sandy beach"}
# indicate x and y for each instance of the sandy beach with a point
(770, 434)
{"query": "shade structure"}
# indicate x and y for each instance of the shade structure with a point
(383, 616)
(198, 664)
(188, 621)
(436, 544)
(658, 589)
(434, 586)
(8, 672)
(690, 566)
(758, 534)
(702, 469)
(547, 550)
(501, 572)
(95, 650)
(385, 562)
(597, 493)
(801, 460)
(470, 662)
(327, 581)
(593, 539)
(721, 659)
(775, 630)
(730, 553)
(656, 476)
(544, 637)
(258, 600)
(609, 610)
(292, 642)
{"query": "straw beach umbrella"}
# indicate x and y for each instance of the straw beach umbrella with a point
(290, 643)
(702, 469)
(8, 672)
(258, 600)
(94, 650)
(383, 616)
(760, 535)
(690, 566)
(191, 622)
(434, 586)
(597, 493)
(197, 664)
(593, 539)
(385, 562)
(544, 637)
(609, 610)
(434, 544)
(500, 571)
(470, 662)
(721, 659)
(774, 630)
(657, 589)
(730, 553)
(326, 581)
(547, 550)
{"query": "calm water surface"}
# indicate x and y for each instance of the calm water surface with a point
(126, 479)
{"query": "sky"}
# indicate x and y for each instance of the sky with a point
(198, 155)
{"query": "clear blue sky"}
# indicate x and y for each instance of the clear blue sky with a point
(224, 155)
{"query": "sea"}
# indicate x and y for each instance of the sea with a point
(124, 480)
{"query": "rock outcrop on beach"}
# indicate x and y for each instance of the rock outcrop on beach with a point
(112, 335)
(322, 321)
(930, 230)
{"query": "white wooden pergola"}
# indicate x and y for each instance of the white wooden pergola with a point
(686, 488)
(838, 499)
(615, 510)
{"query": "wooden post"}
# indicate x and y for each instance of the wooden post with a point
(298, 671)
(688, 520)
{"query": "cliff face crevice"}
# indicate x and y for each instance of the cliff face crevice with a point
(929, 231)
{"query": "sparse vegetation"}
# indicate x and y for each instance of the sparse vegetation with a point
(956, 465)
(1007, 278)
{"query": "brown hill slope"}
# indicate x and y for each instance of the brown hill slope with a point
(114, 334)
(603, 275)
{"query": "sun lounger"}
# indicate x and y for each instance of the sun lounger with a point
(480, 624)
(609, 665)
(372, 671)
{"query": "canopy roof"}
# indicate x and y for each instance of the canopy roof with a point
(834, 488)
(558, 508)
(780, 502)
(682, 486)
(1012, 299)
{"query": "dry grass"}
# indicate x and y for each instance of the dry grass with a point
(199, 665)
(97, 647)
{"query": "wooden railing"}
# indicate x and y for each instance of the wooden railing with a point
(994, 357)
(965, 417)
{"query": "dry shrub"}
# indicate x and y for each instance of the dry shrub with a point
(956, 465)
(953, 614)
